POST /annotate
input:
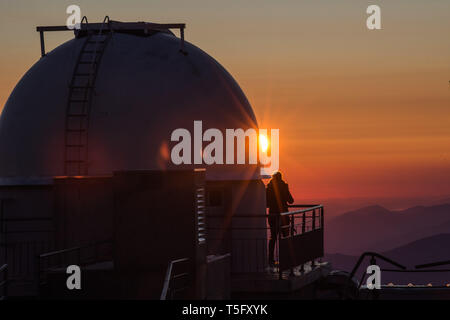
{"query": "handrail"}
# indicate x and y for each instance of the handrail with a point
(169, 277)
(416, 271)
(81, 25)
(82, 19)
(52, 253)
(288, 213)
(302, 205)
(433, 264)
(372, 261)
(401, 268)
(40, 259)
(373, 255)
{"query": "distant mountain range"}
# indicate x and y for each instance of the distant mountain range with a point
(337, 206)
(376, 228)
(426, 250)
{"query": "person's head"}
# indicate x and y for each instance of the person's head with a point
(276, 176)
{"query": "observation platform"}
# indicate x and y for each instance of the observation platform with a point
(269, 285)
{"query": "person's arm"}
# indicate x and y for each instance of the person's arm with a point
(290, 199)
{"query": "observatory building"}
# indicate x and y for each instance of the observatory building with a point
(86, 175)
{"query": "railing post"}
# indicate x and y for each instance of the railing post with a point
(182, 39)
(313, 227)
(302, 268)
(322, 221)
(278, 224)
(313, 220)
(291, 235)
(303, 222)
(41, 34)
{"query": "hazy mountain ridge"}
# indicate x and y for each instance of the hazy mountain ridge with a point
(430, 249)
(375, 228)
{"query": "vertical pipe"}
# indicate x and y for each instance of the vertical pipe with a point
(182, 39)
(41, 33)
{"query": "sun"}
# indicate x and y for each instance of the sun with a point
(263, 143)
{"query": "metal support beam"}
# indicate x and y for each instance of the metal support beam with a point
(116, 26)
(182, 39)
(41, 33)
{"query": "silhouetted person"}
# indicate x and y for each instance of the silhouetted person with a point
(278, 197)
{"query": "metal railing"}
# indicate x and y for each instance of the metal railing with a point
(172, 285)
(21, 260)
(302, 239)
(117, 26)
(373, 261)
(18, 251)
(4, 282)
(422, 268)
(80, 255)
(247, 237)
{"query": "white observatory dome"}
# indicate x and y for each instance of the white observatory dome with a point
(144, 89)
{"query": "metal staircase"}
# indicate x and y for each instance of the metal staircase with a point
(81, 92)
(177, 282)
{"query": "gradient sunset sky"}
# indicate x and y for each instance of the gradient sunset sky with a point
(361, 113)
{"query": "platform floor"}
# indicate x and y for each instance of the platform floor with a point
(269, 282)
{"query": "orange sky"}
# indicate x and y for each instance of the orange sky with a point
(360, 113)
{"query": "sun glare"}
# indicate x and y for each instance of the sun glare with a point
(263, 143)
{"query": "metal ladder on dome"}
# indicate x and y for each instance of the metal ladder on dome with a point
(81, 92)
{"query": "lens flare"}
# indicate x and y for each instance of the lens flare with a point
(263, 143)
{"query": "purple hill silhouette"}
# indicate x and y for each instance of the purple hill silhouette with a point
(375, 228)
(426, 250)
